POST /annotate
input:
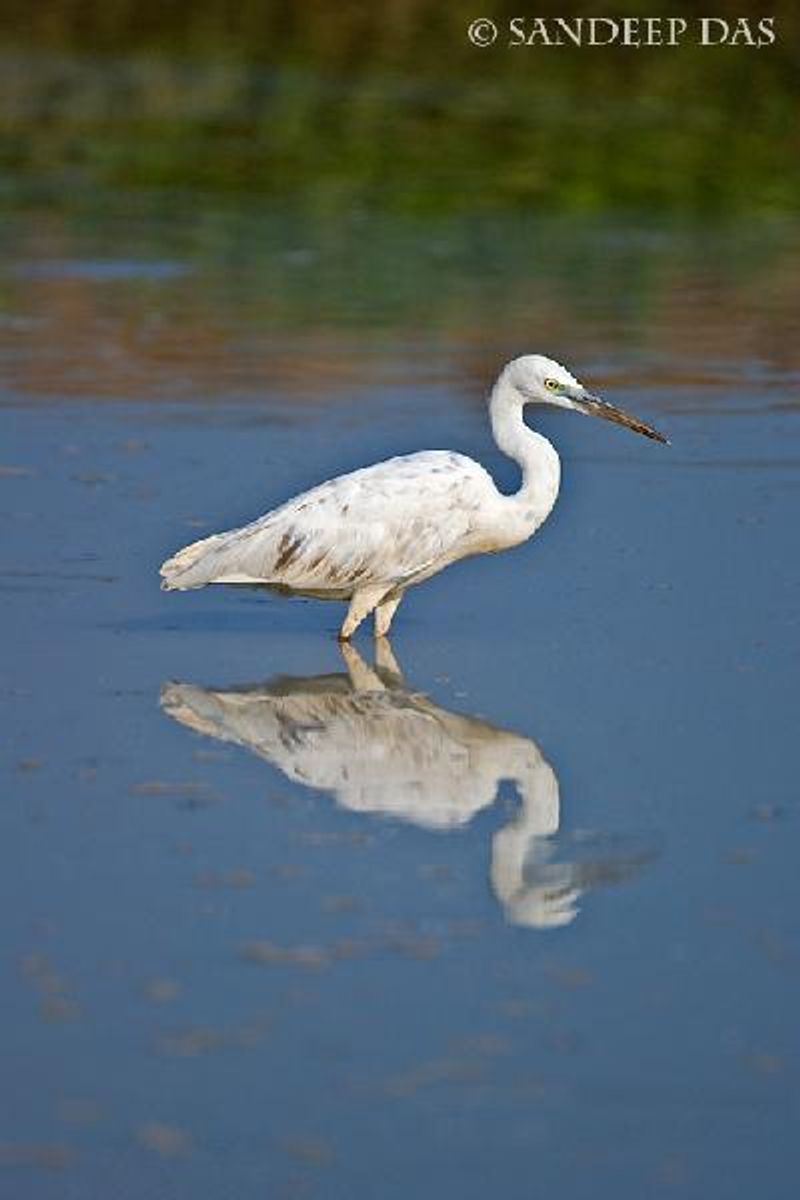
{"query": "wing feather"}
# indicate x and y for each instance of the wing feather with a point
(387, 523)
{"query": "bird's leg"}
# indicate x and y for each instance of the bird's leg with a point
(383, 615)
(361, 605)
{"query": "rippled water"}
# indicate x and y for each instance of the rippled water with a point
(512, 910)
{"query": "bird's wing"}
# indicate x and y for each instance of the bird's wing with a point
(385, 523)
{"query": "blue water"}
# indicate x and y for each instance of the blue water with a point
(223, 980)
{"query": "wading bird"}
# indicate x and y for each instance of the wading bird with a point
(367, 536)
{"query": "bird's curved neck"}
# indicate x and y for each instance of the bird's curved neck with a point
(537, 458)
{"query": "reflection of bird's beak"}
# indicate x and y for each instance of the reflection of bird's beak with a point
(601, 408)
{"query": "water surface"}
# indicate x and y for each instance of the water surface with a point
(512, 909)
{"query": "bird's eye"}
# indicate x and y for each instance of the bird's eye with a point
(552, 385)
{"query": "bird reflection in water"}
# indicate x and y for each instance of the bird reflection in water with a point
(379, 747)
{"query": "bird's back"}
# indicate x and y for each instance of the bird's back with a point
(386, 523)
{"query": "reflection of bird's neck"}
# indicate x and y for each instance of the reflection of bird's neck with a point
(546, 903)
(537, 784)
(538, 460)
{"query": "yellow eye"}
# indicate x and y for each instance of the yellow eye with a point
(552, 384)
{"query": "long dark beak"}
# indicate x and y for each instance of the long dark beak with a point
(601, 408)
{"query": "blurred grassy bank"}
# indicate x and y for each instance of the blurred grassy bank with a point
(390, 108)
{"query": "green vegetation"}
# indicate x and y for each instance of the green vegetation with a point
(388, 108)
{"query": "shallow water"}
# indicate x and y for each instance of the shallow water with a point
(515, 912)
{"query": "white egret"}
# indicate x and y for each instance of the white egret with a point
(367, 536)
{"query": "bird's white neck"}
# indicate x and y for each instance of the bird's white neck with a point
(537, 458)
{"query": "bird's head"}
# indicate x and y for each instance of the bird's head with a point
(541, 380)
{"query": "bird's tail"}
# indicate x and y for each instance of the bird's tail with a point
(177, 573)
